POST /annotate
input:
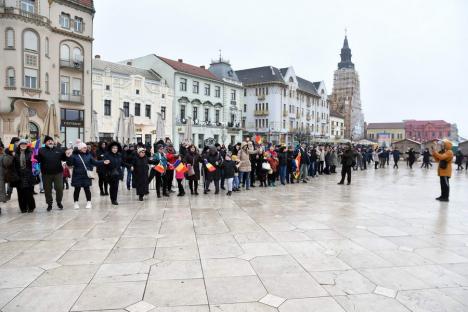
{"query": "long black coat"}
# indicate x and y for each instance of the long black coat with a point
(140, 174)
(26, 178)
(195, 160)
(115, 166)
(215, 160)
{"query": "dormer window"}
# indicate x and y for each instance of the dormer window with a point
(65, 20)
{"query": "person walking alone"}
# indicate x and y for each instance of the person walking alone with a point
(114, 170)
(396, 157)
(445, 157)
(347, 162)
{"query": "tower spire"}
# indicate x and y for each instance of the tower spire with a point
(345, 54)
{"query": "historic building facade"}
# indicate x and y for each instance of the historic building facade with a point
(211, 101)
(336, 125)
(345, 97)
(283, 107)
(138, 92)
(46, 59)
(425, 130)
(393, 131)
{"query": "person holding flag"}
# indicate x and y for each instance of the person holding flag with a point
(160, 162)
(50, 159)
(180, 170)
(212, 161)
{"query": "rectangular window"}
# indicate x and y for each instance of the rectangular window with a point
(233, 95)
(76, 87)
(207, 89)
(65, 20)
(217, 91)
(78, 24)
(207, 114)
(217, 116)
(182, 112)
(163, 112)
(11, 82)
(196, 87)
(183, 84)
(107, 87)
(137, 92)
(30, 60)
(137, 109)
(195, 113)
(245, 92)
(245, 108)
(107, 107)
(64, 85)
(148, 111)
(126, 108)
(28, 6)
(10, 39)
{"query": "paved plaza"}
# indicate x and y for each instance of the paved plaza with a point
(382, 244)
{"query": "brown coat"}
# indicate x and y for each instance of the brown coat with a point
(244, 157)
(446, 155)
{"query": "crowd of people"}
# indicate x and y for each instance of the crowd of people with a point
(233, 168)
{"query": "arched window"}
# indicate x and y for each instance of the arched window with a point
(9, 38)
(31, 41)
(11, 77)
(65, 52)
(47, 82)
(77, 55)
(46, 48)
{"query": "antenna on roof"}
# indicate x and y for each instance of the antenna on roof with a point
(220, 55)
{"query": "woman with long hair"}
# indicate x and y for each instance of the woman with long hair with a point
(193, 161)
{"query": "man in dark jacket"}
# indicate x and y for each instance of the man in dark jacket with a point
(50, 157)
(347, 162)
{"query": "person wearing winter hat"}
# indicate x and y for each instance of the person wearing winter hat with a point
(50, 157)
(82, 162)
(139, 167)
(113, 169)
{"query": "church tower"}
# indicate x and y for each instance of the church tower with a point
(345, 98)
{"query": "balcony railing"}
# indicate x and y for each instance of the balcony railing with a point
(74, 64)
(71, 98)
(233, 125)
(261, 112)
(234, 103)
(16, 10)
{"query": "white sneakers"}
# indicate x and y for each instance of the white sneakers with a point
(77, 206)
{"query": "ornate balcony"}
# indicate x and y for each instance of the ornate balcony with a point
(71, 98)
(72, 64)
(261, 112)
(16, 10)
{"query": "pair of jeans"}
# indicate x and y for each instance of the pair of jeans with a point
(245, 177)
(445, 187)
(282, 173)
(303, 173)
(313, 168)
(57, 181)
(129, 179)
(76, 193)
(235, 182)
(193, 185)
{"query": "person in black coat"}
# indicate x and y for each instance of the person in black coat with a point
(82, 161)
(193, 161)
(139, 168)
(283, 164)
(347, 162)
(229, 168)
(25, 180)
(396, 157)
(411, 157)
(114, 169)
(212, 157)
(103, 185)
(290, 172)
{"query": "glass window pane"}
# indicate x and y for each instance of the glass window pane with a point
(31, 41)
(73, 114)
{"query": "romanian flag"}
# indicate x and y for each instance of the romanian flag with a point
(11, 147)
(181, 168)
(258, 139)
(298, 165)
(159, 168)
(210, 167)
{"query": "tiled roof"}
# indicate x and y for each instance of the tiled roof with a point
(263, 74)
(306, 85)
(317, 85)
(124, 69)
(423, 122)
(85, 3)
(189, 69)
(386, 125)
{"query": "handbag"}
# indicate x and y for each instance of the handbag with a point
(89, 173)
(443, 164)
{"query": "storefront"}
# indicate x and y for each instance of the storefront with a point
(71, 125)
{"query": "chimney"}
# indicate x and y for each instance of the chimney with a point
(202, 66)
(180, 60)
(97, 57)
(129, 63)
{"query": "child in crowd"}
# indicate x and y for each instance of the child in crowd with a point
(180, 175)
(235, 181)
(229, 168)
(66, 175)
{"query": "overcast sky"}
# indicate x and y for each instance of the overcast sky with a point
(411, 55)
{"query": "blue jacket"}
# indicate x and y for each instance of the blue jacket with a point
(80, 176)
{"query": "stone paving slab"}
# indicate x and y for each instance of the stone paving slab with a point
(381, 244)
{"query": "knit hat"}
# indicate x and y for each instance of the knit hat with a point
(47, 138)
(23, 141)
(81, 145)
(140, 149)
